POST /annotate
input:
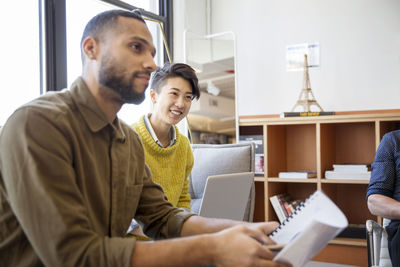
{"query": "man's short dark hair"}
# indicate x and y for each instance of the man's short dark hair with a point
(161, 75)
(104, 21)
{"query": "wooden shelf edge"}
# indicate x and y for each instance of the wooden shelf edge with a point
(286, 180)
(337, 113)
(349, 242)
(345, 117)
(343, 181)
(259, 179)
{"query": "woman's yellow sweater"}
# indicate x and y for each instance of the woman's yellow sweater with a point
(170, 166)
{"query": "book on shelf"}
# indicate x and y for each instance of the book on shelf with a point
(284, 199)
(291, 205)
(298, 174)
(288, 208)
(257, 139)
(283, 205)
(259, 151)
(259, 164)
(277, 208)
(306, 114)
(351, 167)
(295, 203)
(309, 229)
(348, 175)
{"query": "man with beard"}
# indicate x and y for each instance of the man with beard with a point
(72, 175)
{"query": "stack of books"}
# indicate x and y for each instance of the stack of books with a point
(283, 205)
(298, 174)
(349, 171)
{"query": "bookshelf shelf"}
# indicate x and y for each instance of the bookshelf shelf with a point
(342, 181)
(259, 179)
(349, 242)
(291, 180)
(316, 143)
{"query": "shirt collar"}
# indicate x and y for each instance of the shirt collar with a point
(153, 134)
(91, 112)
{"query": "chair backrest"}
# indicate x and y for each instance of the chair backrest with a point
(220, 159)
(377, 244)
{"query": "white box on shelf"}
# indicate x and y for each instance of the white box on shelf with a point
(298, 174)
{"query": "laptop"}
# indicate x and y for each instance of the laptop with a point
(226, 195)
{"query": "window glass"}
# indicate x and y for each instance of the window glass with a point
(20, 57)
(78, 14)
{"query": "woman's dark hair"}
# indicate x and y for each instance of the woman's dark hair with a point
(161, 75)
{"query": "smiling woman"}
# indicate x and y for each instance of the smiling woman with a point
(168, 152)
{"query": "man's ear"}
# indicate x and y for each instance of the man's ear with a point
(90, 48)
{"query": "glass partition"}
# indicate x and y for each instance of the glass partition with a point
(213, 119)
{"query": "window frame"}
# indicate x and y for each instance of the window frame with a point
(53, 40)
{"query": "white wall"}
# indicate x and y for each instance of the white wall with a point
(359, 40)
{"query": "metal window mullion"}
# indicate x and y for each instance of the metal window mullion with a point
(165, 10)
(165, 17)
(56, 48)
(127, 6)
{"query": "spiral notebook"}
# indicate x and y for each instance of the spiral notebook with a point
(308, 229)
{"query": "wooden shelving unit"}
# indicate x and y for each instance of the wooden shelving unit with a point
(316, 143)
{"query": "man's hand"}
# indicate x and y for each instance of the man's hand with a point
(244, 245)
(224, 243)
(266, 228)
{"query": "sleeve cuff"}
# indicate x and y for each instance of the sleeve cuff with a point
(175, 227)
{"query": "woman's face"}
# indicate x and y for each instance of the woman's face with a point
(173, 101)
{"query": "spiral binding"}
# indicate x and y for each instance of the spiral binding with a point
(297, 210)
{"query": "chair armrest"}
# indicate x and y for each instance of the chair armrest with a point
(374, 236)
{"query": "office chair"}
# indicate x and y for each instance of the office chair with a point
(377, 244)
(221, 159)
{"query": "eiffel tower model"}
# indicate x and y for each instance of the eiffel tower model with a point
(306, 97)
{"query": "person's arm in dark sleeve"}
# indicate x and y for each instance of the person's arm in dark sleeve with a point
(383, 179)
